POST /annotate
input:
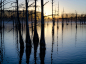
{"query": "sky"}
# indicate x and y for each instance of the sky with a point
(69, 6)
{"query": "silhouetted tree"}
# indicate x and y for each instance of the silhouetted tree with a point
(35, 38)
(1, 14)
(84, 19)
(21, 50)
(66, 19)
(71, 20)
(42, 41)
(19, 27)
(42, 54)
(76, 20)
(1, 48)
(35, 42)
(28, 52)
(62, 20)
(28, 41)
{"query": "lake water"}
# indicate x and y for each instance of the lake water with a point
(65, 45)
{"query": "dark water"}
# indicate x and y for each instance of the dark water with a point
(65, 45)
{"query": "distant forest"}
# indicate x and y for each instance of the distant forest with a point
(9, 14)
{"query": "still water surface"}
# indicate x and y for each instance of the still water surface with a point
(63, 45)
